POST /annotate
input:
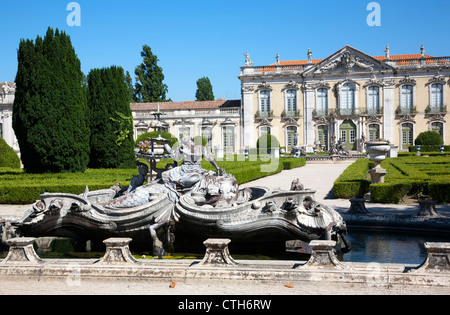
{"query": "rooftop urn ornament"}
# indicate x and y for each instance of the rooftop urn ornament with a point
(277, 57)
(422, 52)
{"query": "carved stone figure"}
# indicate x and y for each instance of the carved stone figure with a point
(200, 202)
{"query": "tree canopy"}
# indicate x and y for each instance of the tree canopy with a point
(49, 112)
(204, 90)
(110, 118)
(149, 86)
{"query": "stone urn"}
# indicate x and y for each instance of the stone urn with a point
(377, 151)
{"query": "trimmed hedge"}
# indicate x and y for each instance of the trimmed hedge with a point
(8, 158)
(18, 187)
(352, 183)
(406, 176)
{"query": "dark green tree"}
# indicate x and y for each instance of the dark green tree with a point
(111, 122)
(49, 113)
(149, 86)
(429, 138)
(204, 90)
(129, 83)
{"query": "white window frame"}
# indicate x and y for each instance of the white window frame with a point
(413, 93)
(371, 97)
(432, 102)
(287, 97)
(269, 101)
(321, 101)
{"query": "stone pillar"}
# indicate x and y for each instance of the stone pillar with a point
(248, 140)
(217, 253)
(358, 206)
(309, 134)
(427, 208)
(21, 251)
(323, 255)
(438, 258)
(118, 252)
(388, 113)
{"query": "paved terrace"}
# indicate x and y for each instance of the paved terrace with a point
(243, 277)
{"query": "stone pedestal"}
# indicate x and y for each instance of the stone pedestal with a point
(118, 252)
(358, 206)
(217, 253)
(323, 255)
(438, 258)
(427, 208)
(377, 174)
(21, 251)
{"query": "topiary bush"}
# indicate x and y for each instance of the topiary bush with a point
(8, 158)
(266, 142)
(429, 138)
(154, 134)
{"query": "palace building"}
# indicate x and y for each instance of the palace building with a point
(349, 95)
(217, 121)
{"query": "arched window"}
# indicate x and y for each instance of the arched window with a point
(264, 102)
(373, 100)
(437, 97)
(228, 139)
(207, 134)
(407, 135)
(347, 104)
(322, 134)
(264, 130)
(291, 137)
(322, 102)
(438, 127)
(406, 100)
(291, 101)
(374, 132)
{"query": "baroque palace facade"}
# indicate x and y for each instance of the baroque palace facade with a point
(349, 95)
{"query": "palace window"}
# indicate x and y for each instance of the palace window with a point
(291, 137)
(322, 102)
(264, 102)
(373, 100)
(437, 96)
(438, 127)
(184, 131)
(347, 95)
(406, 100)
(374, 132)
(228, 139)
(322, 134)
(291, 101)
(264, 130)
(207, 134)
(407, 134)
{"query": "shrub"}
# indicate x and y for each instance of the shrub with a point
(154, 134)
(389, 192)
(429, 138)
(352, 183)
(266, 142)
(8, 158)
(439, 189)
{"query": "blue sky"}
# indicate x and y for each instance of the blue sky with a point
(195, 38)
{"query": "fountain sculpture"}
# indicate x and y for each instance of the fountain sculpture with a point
(204, 203)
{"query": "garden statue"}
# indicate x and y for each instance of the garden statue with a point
(202, 203)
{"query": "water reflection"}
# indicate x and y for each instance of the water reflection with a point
(390, 247)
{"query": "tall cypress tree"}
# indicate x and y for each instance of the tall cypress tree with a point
(204, 90)
(149, 85)
(49, 113)
(111, 121)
